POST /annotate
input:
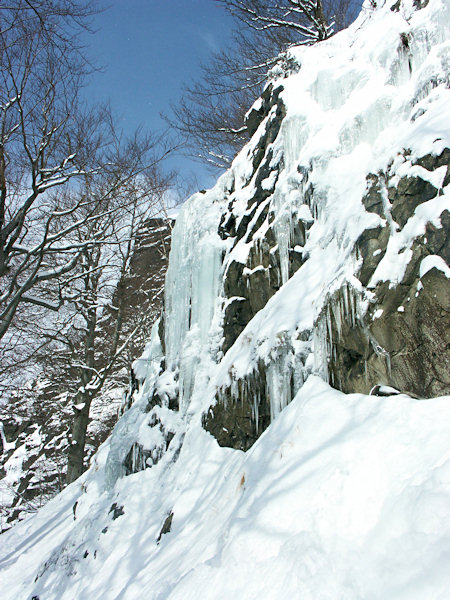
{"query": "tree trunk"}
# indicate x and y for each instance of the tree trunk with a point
(78, 437)
(323, 25)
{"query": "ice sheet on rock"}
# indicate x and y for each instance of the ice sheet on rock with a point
(192, 281)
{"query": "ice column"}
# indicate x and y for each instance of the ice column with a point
(192, 287)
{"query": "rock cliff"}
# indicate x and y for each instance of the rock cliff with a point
(324, 250)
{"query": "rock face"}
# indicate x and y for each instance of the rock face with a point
(404, 338)
(324, 249)
(401, 340)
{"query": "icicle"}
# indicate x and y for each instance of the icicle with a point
(278, 382)
(347, 301)
(192, 291)
(329, 329)
(283, 228)
(255, 411)
(295, 132)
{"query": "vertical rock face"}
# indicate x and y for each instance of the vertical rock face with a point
(400, 339)
(324, 249)
(403, 339)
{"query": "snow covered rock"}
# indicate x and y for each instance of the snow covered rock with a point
(328, 215)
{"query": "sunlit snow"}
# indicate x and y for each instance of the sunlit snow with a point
(343, 496)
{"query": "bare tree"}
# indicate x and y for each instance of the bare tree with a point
(305, 17)
(123, 197)
(72, 193)
(39, 415)
(42, 144)
(210, 114)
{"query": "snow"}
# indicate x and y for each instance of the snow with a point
(433, 262)
(343, 496)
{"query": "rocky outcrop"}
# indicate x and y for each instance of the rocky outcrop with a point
(400, 338)
(403, 340)
(324, 249)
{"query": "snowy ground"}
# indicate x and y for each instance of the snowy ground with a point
(352, 505)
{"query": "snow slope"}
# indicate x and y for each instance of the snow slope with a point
(343, 496)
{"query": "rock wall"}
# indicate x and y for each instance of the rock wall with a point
(403, 340)
(324, 249)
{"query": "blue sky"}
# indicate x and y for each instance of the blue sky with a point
(148, 49)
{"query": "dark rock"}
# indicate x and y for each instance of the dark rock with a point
(161, 332)
(260, 289)
(237, 314)
(232, 421)
(373, 200)
(254, 117)
(272, 129)
(136, 459)
(260, 219)
(117, 511)
(419, 4)
(410, 192)
(437, 238)
(265, 170)
(299, 233)
(431, 162)
(295, 261)
(407, 347)
(167, 526)
(227, 226)
(242, 226)
(234, 284)
(371, 247)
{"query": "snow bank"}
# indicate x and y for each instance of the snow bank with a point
(344, 496)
